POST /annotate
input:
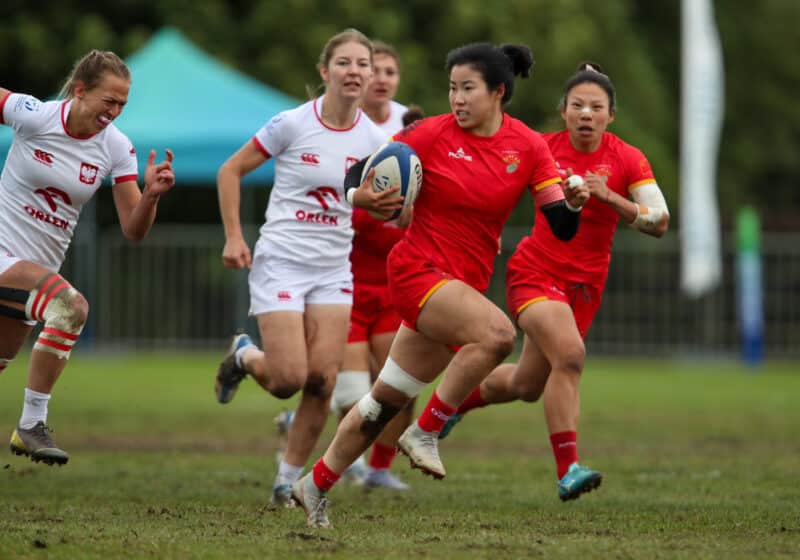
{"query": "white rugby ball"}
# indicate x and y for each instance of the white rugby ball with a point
(395, 164)
(574, 181)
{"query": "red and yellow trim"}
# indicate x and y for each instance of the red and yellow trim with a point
(430, 292)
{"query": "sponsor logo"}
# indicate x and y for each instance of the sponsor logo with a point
(347, 291)
(31, 104)
(88, 174)
(43, 216)
(322, 193)
(459, 154)
(439, 414)
(132, 151)
(316, 218)
(43, 157)
(309, 159)
(284, 296)
(50, 194)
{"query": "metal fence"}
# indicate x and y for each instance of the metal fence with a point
(171, 291)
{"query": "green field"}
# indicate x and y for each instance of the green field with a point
(700, 461)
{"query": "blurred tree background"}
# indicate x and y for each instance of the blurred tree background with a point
(638, 43)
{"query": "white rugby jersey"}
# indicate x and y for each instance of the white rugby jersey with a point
(49, 175)
(308, 219)
(395, 121)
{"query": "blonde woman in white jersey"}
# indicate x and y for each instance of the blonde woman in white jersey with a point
(300, 280)
(62, 151)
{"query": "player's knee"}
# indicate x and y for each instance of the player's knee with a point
(529, 392)
(375, 414)
(571, 358)
(63, 310)
(286, 381)
(500, 341)
(320, 384)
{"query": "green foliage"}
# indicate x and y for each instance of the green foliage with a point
(700, 461)
(638, 43)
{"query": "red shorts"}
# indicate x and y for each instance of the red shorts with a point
(372, 313)
(526, 284)
(413, 279)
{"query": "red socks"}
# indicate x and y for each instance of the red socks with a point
(324, 478)
(565, 450)
(435, 414)
(474, 400)
(382, 456)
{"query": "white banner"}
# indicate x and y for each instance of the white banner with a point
(702, 105)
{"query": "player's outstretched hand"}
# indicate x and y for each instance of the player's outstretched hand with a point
(384, 202)
(160, 178)
(236, 253)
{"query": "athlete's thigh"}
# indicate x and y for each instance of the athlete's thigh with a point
(283, 340)
(551, 325)
(418, 355)
(326, 336)
(458, 314)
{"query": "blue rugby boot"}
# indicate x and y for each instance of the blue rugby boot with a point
(229, 375)
(578, 480)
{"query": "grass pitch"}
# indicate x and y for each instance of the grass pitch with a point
(699, 461)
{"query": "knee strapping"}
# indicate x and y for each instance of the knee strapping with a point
(350, 386)
(397, 378)
(53, 301)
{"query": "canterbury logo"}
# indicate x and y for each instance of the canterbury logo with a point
(50, 194)
(43, 157)
(309, 158)
(321, 193)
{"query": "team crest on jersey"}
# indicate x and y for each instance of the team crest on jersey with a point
(88, 173)
(604, 170)
(644, 167)
(511, 159)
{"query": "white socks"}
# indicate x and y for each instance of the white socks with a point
(237, 356)
(288, 474)
(34, 409)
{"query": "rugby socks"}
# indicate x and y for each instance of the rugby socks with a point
(565, 450)
(324, 478)
(382, 456)
(239, 354)
(473, 400)
(288, 474)
(435, 414)
(34, 409)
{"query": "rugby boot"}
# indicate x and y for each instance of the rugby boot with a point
(578, 480)
(450, 424)
(282, 496)
(313, 500)
(383, 478)
(229, 375)
(422, 449)
(38, 444)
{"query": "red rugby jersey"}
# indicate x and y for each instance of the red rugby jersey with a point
(470, 186)
(586, 257)
(372, 242)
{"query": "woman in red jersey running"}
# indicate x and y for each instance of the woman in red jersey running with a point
(477, 162)
(554, 289)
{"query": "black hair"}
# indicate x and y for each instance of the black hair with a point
(497, 65)
(414, 113)
(591, 73)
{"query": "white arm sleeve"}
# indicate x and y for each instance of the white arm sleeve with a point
(651, 207)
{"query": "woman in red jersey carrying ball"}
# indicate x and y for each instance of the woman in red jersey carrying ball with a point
(554, 289)
(477, 162)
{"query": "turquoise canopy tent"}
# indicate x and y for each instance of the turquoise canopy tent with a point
(199, 108)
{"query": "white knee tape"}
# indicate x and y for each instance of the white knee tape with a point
(52, 302)
(350, 386)
(369, 408)
(396, 377)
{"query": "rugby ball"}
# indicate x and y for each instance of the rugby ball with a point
(395, 164)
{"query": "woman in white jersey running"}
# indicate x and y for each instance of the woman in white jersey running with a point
(61, 153)
(301, 287)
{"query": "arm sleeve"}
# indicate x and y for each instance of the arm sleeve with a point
(352, 179)
(563, 221)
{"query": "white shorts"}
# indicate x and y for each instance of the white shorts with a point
(280, 285)
(6, 262)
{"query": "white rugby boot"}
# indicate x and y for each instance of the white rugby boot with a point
(422, 449)
(313, 500)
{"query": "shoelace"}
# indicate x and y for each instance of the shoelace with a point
(431, 440)
(42, 431)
